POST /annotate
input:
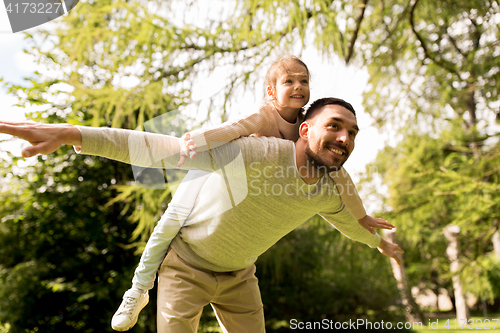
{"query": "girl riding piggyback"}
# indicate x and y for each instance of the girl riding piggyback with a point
(279, 115)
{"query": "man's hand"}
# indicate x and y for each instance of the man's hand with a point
(45, 138)
(390, 249)
(369, 222)
(187, 148)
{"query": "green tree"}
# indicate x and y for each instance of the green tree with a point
(436, 182)
(65, 258)
(435, 58)
(121, 63)
(435, 77)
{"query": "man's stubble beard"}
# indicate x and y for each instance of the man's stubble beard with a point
(316, 161)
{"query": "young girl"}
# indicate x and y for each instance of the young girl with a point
(287, 88)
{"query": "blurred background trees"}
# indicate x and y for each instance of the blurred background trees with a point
(444, 167)
(64, 252)
(72, 226)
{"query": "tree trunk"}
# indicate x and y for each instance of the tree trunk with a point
(496, 243)
(412, 311)
(451, 233)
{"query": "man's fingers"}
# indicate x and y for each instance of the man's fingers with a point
(35, 149)
(12, 128)
(390, 249)
(396, 248)
(28, 152)
(39, 148)
(396, 257)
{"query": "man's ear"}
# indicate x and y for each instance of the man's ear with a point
(270, 92)
(304, 130)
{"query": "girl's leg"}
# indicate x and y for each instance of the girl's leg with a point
(167, 228)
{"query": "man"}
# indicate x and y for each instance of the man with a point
(272, 186)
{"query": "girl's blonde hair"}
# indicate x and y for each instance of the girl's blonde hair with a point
(280, 67)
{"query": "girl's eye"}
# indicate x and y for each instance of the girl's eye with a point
(288, 81)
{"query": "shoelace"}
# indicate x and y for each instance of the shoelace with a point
(128, 307)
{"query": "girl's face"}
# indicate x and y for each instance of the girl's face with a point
(292, 88)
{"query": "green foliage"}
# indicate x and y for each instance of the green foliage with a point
(121, 63)
(436, 182)
(434, 79)
(65, 262)
(435, 58)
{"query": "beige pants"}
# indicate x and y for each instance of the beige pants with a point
(183, 291)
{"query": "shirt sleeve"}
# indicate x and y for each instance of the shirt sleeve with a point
(349, 193)
(344, 222)
(150, 150)
(257, 122)
(132, 147)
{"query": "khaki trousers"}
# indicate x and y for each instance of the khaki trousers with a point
(183, 291)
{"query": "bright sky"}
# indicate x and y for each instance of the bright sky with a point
(329, 78)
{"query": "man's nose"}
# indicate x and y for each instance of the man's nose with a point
(343, 137)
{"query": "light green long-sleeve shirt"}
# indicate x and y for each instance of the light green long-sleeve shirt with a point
(254, 197)
(265, 122)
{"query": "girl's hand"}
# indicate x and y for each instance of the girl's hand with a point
(188, 148)
(369, 222)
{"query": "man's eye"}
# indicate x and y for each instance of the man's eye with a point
(352, 133)
(333, 125)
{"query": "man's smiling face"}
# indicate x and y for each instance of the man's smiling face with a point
(331, 134)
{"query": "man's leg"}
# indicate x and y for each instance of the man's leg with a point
(238, 304)
(183, 291)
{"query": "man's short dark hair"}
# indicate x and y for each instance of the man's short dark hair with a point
(319, 103)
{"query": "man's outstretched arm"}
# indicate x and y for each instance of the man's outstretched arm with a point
(132, 147)
(344, 222)
(45, 138)
(144, 149)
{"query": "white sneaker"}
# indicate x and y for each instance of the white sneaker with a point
(128, 312)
